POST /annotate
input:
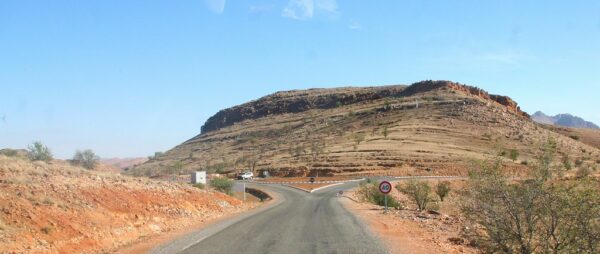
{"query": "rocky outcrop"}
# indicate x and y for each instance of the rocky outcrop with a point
(429, 85)
(296, 102)
(301, 101)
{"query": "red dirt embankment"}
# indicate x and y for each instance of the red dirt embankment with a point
(57, 208)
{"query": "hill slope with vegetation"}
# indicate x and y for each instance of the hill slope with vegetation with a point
(430, 127)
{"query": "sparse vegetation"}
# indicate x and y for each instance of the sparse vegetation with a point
(199, 186)
(39, 152)
(583, 172)
(536, 215)
(442, 189)
(46, 230)
(155, 156)
(385, 132)
(418, 191)
(513, 155)
(86, 158)
(566, 161)
(368, 191)
(578, 163)
(222, 184)
(359, 138)
(9, 152)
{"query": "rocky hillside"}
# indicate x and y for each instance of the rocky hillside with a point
(430, 127)
(123, 163)
(564, 120)
(57, 208)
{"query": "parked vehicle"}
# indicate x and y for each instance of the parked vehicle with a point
(246, 176)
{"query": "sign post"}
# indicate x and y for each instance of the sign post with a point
(385, 187)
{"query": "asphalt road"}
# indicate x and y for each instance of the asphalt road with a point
(300, 223)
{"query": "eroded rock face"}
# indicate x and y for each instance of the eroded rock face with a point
(298, 101)
(304, 100)
(429, 85)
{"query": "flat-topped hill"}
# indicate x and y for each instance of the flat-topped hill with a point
(430, 127)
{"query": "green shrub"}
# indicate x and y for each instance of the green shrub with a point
(567, 163)
(87, 159)
(536, 215)
(369, 192)
(39, 152)
(442, 189)
(222, 184)
(513, 155)
(418, 191)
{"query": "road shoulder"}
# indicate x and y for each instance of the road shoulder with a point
(178, 240)
(401, 235)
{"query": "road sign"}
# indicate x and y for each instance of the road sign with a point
(385, 187)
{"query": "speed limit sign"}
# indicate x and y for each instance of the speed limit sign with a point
(385, 187)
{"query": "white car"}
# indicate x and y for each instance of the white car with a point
(246, 176)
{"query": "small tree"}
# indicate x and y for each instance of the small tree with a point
(39, 152)
(177, 167)
(222, 184)
(87, 159)
(442, 189)
(514, 154)
(359, 137)
(534, 215)
(385, 132)
(418, 191)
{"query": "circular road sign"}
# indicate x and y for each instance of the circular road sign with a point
(385, 187)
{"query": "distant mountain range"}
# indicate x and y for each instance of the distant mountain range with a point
(566, 120)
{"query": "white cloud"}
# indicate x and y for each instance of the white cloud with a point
(216, 6)
(306, 9)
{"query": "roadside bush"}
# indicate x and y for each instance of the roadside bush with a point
(222, 184)
(87, 159)
(442, 189)
(39, 152)
(419, 192)
(369, 192)
(199, 186)
(535, 215)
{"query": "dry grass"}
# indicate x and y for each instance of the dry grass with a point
(57, 208)
(438, 138)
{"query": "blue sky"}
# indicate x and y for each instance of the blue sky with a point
(127, 78)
